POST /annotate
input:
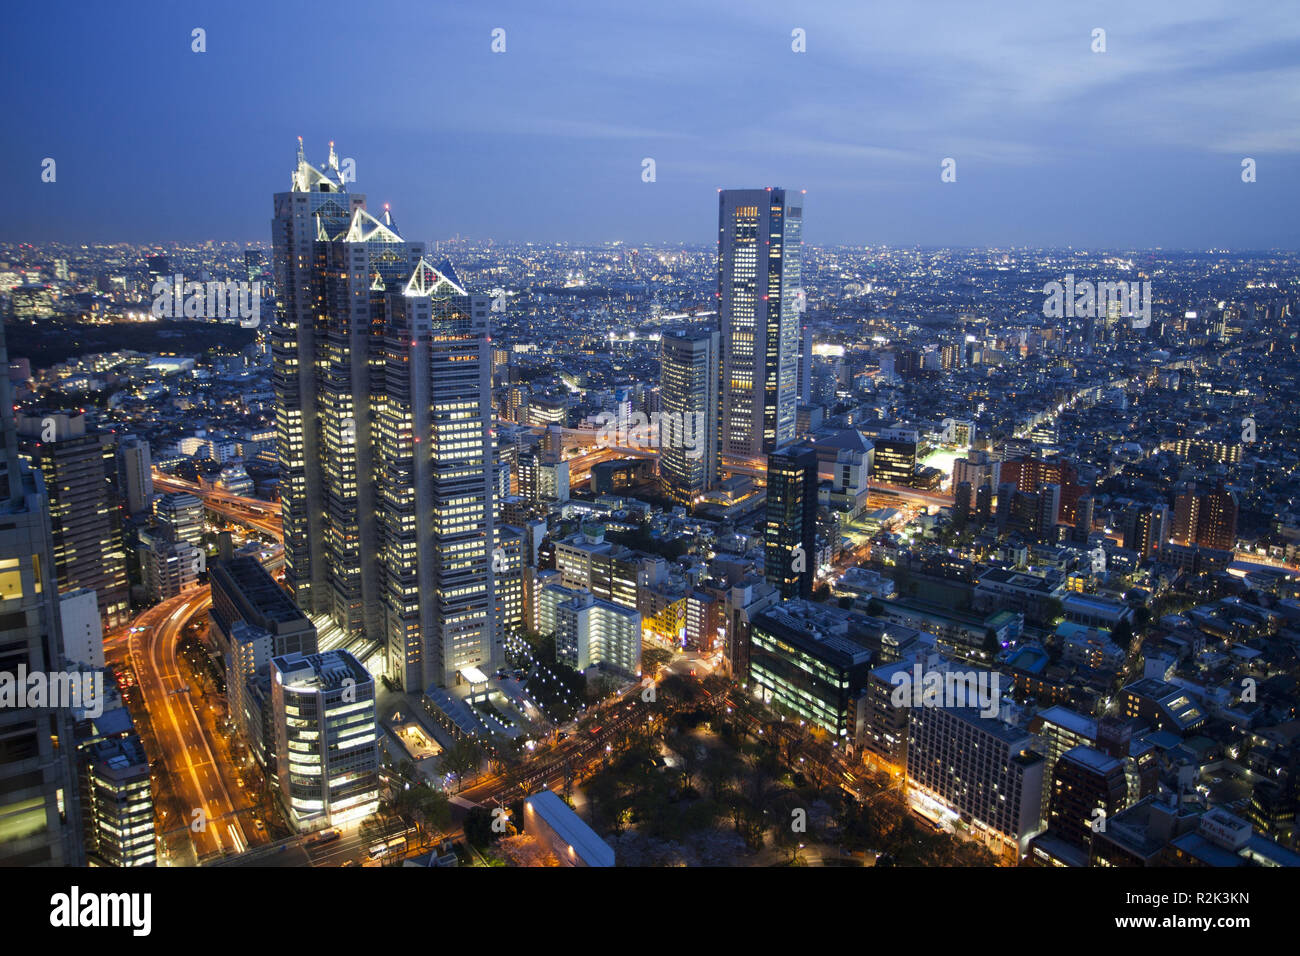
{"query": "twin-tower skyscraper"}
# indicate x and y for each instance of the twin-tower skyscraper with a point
(382, 375)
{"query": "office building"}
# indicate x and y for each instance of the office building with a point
(587, 562)
(136, 474)
(742, 603)
(882, 725)
(688, 453)
(895, 458)
(252, 621)
(79, 469)
(1087, 789)
(117, 795)
(326, 745)
(167, 568)
(980, 768)
(179, 517)
(803, 658)
(39, 805)
(81, 628)
(508, 563)
(790, 528)
(805, 357)
(382, 371)
(759, 284)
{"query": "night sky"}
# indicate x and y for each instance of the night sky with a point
(1054, 144)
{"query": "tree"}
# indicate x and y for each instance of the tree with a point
(430, 810)
(1053, 610)
(478, 827)
(461, 758)
(687, 750)
(522, 850)
(653, 658)
(991, 643)
(680, 691)
(1122, 634)
(719, 771)
(380, 823)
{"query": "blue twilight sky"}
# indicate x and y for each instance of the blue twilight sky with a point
(1054, 144)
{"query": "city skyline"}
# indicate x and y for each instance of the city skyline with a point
(373, 541)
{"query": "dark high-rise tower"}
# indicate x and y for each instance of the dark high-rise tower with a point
(790, 531)
(688, 391)
(1146, 528)
(759, 287)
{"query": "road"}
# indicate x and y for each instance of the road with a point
(251, 512)
(178, 732)
(218, 823)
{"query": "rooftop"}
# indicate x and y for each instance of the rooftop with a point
(568, 826)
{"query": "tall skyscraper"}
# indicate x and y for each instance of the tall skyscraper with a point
(317, 206)
(759, 287)
(80, 469)
(688, 453)
(255, 268)
(39, 806)
(383, 380)
(790, 531)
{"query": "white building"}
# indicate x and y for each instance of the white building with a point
(83, 631)
(550, 594)
(168, 568)
(326, 746)
(981, 768)
(591, 632)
